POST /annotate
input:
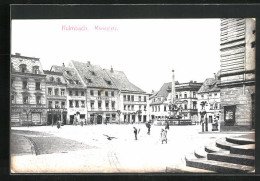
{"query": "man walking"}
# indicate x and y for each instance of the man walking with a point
(135, 132)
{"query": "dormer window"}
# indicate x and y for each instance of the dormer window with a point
(76, 81)
(92, 72)
(23, 68)
(51, 79)
(58, 79)
(89, 80)
(71, 81)
(68, 72)
(36, 69)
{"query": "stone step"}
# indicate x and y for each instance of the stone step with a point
(240, 141)
(219, 167)
(243, 149)
(223, 144)
(185, 169)
(200, 153)
(212, 148)
(232, 158)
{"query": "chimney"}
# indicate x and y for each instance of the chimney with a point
(18, 54)
(173, 86)
(63, 65)
(88, 63)
(111, 70)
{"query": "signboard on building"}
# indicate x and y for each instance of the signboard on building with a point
(229, 115)
(36, 117)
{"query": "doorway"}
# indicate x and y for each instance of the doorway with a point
(99, 119)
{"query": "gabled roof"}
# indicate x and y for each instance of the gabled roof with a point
(30, 62)
(55, 76)
(70, 75)
(93, 75)
(164, 90)
(122, 82)
(209, 85)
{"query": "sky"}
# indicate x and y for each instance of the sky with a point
(146, 50)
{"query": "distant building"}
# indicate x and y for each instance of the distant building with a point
(132, 101)
(210, 94)
(237, 77)
(28, 100)
(102, 93)
(76, 93)
(56, 94)
(185, 95)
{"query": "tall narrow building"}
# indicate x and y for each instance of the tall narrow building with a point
(237, 78)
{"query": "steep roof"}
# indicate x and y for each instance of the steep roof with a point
(30, 62)
(209, 85)
(164, 90)
(122, 82)
(93, 75)
(70, 75)
(55, 76)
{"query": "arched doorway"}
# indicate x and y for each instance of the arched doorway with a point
(99, 119)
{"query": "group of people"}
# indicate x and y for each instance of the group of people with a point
(163, 131)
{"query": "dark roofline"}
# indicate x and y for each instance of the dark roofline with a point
(20, 56)
(52, 73)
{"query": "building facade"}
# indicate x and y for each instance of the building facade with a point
(209, 93)
(56, 94)
(132, 101)
(185, 96)
(76, 94)
(237, 77)
(28, 86)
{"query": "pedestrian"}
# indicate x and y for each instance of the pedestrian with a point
(58, 124)
(167, 125)
(164, 136)
(135, 132)
(148, 125)
(81, 122)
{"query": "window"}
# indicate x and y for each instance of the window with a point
(76, 103)
(185, 106)
(128, 97)
(112, 93)
(155, 108)
(140, 98)
(185, 95)
(152, 108)
(50, 104)
(140, 107)
(82, 93)
(106, 93)
(91, 92)
(56, 92)
(76, 93)
(62, 92)
(211, 106)
(82, 103)
(215, 94)
(92, 72)
(176, 96)
(71, 103)
(158, 108)
(124, 107)
(194, 105)
(194, 94)
(38, 99)
(25, 84)
(89, 80)
(165, 108)
(107, 104)
(23, 68)
(109, 82)
(144, 98)
(132, 107)
(36, 69)
(129, 107)
(62, 104)
(132, 98)
(12, 99)
(68, 72)
(76, 81)
(113, 104)
(99, 104)
(144, 108)
(38, 86)
(202, 95)
(216, 105)
(180, 95)
(51, 79)
(124, 97)
(70, 93)
(12, 82)
(99, 93)
(58, 79)
(92, 104)
(57, 104)
(25, 99)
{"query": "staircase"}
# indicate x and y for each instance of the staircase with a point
(226, 155)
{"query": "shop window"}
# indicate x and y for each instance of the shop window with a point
(38, 86)
(38, 99)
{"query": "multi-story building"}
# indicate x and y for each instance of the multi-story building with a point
(237, 77)
(132, 101)
(102, 93)
(209, 94)
(28, 101)
(56, 95)
(76, 93)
